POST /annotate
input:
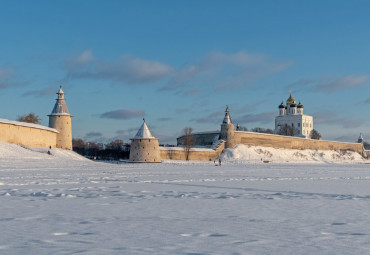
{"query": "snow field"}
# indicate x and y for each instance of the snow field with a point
(70, 205)
(248, 154)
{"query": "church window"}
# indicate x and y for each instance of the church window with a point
(299, 124)
(292, 124)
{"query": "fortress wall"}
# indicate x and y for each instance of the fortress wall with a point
(27, 135)
(200, 139)
(178, 153)
(277, 141)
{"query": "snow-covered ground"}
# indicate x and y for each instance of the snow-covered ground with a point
(65, 204)
(242, 154)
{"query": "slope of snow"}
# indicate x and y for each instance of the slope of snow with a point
(74, 206)
(252, 154)
(13, 151)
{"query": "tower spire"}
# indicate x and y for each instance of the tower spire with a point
(60, 107)
(227, 119)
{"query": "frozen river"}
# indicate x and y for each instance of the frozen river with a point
(59, 206)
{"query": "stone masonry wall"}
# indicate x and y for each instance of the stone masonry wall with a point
(27, 136)
(177, 153)
(277, 141)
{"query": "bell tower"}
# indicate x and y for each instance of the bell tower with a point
(60, 119)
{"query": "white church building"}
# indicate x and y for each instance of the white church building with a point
(292, 115)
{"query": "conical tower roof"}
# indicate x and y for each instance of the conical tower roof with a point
(360, 138)
(227, 119)
(144, 132)
(60, 107)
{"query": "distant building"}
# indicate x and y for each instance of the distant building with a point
(292, 115)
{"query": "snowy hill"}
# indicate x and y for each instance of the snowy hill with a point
(254, 154)
(13, 152)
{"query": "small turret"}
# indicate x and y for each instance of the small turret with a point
(360, 139)
(144, 146)
(227, 130)
(60, 119)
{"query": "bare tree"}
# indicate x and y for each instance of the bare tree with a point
(287, 130)
(315, 134)
(262, 130)
(241, 128)
(29, 118)
(188, 141)
(115, 145)
(78, 143)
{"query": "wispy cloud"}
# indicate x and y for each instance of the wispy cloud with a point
(332, 118)
(216, 71)
(39, 93)
(330, 84)
(367, 101)
(263, 118)
(164, 119)
(127, 69)
(222, 71)
(92, 135)
(347, 82)
(123, 114)
(8, 78)
(215, 118)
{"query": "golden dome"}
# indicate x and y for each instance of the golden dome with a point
(290, 100)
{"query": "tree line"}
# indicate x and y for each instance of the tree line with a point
(114, 150)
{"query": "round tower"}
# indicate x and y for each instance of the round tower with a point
(60, 119)
(144, 147)
(227, 130)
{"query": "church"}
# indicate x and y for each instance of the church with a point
(292, 115)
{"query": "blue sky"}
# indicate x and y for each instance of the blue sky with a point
(179, 63)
